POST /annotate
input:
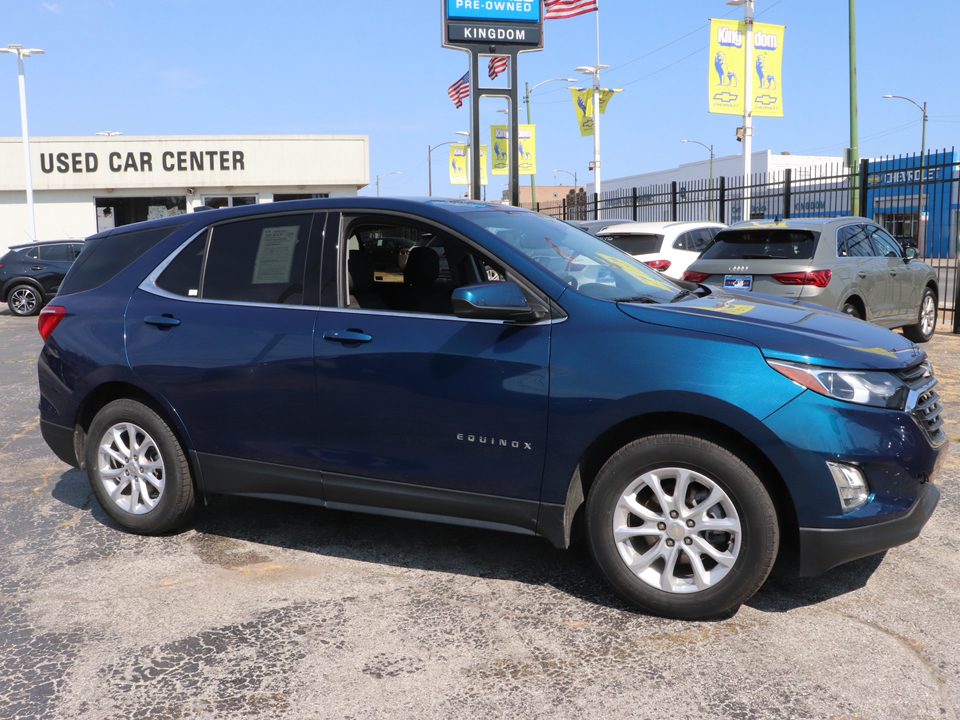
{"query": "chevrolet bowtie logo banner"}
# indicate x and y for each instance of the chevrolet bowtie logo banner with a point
(583, 104)
(526, 150)
(728, 68)
(459, 158)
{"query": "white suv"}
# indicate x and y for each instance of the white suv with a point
(665, 246)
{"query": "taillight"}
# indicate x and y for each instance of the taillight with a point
(49, 318)
(694, 277)
(817, 278)
(661, 265)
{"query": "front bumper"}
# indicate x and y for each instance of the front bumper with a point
(825, 548)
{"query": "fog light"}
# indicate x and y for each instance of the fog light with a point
(851, 485)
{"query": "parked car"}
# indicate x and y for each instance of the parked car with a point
(694, 433)
(665, 246)
(31, 274)
(594, 226)
(848, 264)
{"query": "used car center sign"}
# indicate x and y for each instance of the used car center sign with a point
(493, 22)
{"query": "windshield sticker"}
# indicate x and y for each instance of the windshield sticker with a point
(638, 274)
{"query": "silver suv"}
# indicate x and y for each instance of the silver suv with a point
(849, 264)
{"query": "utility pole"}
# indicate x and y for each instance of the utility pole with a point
(854, 116)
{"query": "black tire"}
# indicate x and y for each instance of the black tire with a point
(851, 310)
(149, 492)
(734, 539)
(926, 319)
(24, 300)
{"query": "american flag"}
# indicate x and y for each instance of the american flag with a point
(497, 65)
(562, 9)
(460, 90)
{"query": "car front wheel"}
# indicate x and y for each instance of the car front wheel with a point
(137, 469)
(927, 319)
(681, 527)
(24, 300)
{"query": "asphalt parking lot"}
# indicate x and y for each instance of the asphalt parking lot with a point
(269, 610)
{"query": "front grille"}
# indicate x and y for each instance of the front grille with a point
(924, 404)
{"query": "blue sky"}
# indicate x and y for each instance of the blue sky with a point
(377, 68)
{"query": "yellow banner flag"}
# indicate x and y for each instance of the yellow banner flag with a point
(728, 68)
(460, 165)
(526, 149)
(583, 104)
(605, 97)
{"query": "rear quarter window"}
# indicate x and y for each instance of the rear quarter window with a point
(763, 243)
(103, 258)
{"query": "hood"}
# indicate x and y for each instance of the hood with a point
(798, 332)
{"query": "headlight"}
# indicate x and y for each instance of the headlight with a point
(864, 387)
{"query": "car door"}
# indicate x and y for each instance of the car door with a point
(223, 332)
(420, 410)
(50, 263)
(860, 272)
(904, 279)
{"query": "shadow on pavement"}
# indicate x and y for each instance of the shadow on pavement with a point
(435, 547)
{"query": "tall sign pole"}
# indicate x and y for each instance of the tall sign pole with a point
(493, 29)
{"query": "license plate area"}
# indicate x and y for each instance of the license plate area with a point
(738, 282)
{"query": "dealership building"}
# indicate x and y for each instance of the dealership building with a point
(82, 185)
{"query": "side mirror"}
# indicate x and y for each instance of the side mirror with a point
(910, 253)
(494, 301)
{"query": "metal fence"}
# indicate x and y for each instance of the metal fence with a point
(916, 198)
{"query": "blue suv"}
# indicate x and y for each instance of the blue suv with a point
(545, 383)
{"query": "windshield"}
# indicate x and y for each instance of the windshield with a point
(766, 243)
(585, 263)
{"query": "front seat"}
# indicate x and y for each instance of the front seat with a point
(361, 283)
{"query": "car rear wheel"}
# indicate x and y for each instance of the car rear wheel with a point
(927, 319)
(24, 300)
(681, 527)
(137, 469)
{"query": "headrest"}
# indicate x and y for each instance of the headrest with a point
(423, 266)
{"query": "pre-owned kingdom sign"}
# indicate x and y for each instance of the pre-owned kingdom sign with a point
(489, 29)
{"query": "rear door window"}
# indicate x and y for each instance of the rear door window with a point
(260, 261)
(763, 243)
(853, 241)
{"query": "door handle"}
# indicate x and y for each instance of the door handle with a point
(37, 267)
(862, 274)
(161, 321)
(347, 336)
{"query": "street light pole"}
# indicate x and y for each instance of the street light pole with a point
(430, 159)
(709, 204)
(923, 152)
(747, 103)
(526, 100)
(21, 52)
(594, 70)
(395, 172)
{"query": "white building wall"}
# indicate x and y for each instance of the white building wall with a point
(69, 174)
(729, 166)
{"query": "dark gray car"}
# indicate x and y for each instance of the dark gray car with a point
(849, 264)
(30, 274)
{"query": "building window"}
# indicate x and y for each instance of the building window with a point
(117, 211)
(222, 201)
(280, 197)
